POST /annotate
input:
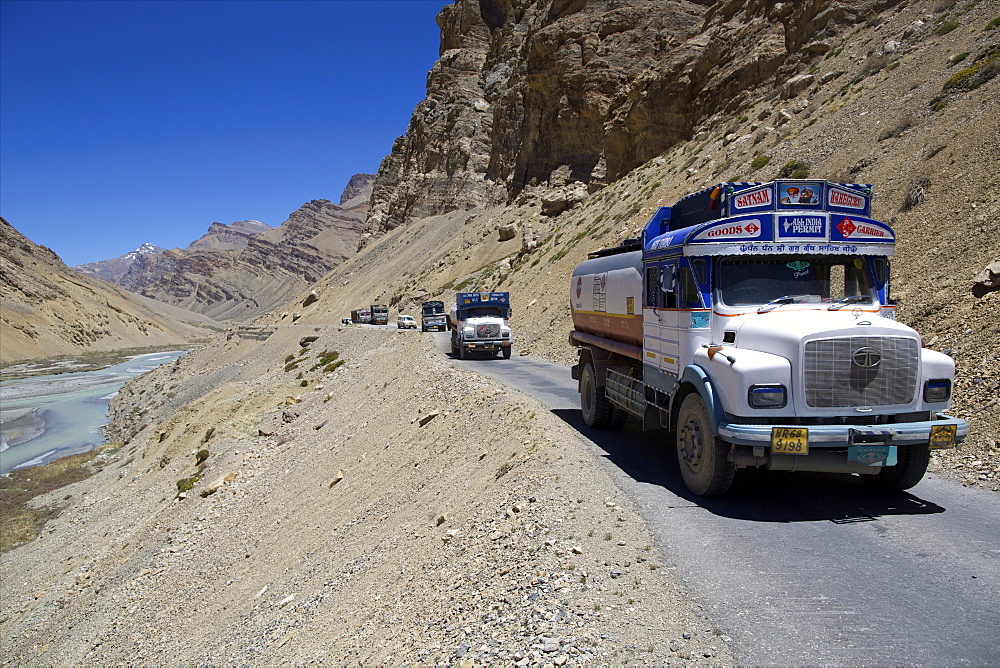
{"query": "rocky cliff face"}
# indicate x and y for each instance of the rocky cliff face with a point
(566, 92)
(48, 309)
(240, 271)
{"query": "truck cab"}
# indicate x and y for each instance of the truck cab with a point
(480, 323)
(432, 316)
(766, 338)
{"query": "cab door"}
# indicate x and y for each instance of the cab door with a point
(660, 324)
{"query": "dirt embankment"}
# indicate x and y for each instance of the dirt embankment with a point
(359, 514)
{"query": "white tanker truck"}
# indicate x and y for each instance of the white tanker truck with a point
(752, 321)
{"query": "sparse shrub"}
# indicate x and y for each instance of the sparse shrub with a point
(184, 484)
(304, 383)
(985, 68)
(956, 59)
(915, 194)
(794, 169)
(994, 24)
(901, 126)
(201, 456)
(945, 28)
(289, 358)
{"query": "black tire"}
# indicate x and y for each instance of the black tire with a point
(506, 352)
(703, 458)
(462, 354)
(910, 467)
(454, 346)
(597, 411)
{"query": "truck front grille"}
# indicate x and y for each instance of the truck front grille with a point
(488, 331)
(861, 371)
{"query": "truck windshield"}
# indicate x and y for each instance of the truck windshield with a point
(484, 312)
(793, 279)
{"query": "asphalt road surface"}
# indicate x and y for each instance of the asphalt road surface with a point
(806, 568)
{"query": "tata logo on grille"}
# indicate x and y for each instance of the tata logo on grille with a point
(867, 358)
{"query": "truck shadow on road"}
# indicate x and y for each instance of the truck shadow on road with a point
(757, 496)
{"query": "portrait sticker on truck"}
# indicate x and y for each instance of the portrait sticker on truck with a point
(789, 441)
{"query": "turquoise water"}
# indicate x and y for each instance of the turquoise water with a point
(47, 417)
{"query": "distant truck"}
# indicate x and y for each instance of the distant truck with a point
(480, 323)
(361, 316)
(432, 317)
(753, 322)
(380, 314)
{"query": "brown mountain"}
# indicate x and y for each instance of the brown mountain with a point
(239, 271)
(231, 237)
(48, 309)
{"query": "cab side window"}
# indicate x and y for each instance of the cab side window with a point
(689, 288)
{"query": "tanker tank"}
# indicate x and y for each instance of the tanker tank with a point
(606, 297)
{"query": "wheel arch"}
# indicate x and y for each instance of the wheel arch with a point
(694, 379)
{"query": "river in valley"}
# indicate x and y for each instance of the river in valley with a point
(43, 418)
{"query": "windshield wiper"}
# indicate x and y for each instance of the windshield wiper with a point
(787, 299)
(853, 299)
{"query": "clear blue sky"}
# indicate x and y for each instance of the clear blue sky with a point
(123, 122)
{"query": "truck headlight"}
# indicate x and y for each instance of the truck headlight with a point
(767, 396)
(469, 333)
(937, 390)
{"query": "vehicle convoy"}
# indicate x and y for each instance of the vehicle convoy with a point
(753, 322)
(361, 316)
(405, 322)
(380, 314)
(432, 317)
(480, 322)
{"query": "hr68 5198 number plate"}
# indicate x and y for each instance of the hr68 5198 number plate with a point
(789, 441)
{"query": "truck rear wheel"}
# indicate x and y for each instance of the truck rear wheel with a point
(597, 411)
(911, 465)
(703, 458)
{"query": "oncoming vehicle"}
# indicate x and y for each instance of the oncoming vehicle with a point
(480, 323)
(432, 316)
(405, 322)
(752, 322)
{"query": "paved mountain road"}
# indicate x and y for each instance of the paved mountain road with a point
(807, 568)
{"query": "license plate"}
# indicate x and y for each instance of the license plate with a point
(790, 441)
(943, 436)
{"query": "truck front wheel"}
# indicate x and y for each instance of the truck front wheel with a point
(703, 458)
(506, 352)
(911, 465)
(597, 410)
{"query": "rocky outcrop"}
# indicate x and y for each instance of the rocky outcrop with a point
(240, 271)
(232, 237)
(530, 93)
(47, 309)
(112, 270)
